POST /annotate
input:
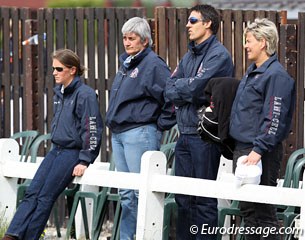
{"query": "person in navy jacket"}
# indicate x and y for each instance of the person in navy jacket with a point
(138, 111)
(207, 58)
(261, 117)
(76, 136)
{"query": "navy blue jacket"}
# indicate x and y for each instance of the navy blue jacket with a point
(185, 88)
(263, 107)
(77, 123)
(137, 94)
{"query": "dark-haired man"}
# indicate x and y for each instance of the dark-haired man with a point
(207, 58)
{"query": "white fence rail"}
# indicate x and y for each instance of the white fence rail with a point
(152, 183)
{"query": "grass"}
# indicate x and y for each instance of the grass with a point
(3, 223)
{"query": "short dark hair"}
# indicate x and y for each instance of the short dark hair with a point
(209, 13)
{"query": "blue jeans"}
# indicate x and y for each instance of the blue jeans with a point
(197, 159)
(128, 148)
(51, 178)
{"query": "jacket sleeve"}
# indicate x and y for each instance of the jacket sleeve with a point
(167, 117)
(277, 113)
(170, 90)
(190, 89)
(91, 127)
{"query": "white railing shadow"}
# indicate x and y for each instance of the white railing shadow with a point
(152, 183)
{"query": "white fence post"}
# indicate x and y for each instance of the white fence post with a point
(302, 212)
(9, 151)
(151, 204)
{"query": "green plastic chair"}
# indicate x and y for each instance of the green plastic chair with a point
(100, 215)
(289, 172)
(170, 135)
(101, 211)
(105, 197)
(170, 205)
(233, 209)
(291, 212)
(69, 192)
(170, 213)
(168, 148)
(100, 201)
(33, 155)
(25, 140)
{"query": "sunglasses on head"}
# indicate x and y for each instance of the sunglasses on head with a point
(58, 69)
(193, 20)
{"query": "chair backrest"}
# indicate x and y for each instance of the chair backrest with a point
(169, 151)
(168, 144)
(288, 180)
(297, 170)
(112, 163)
(26, 138)
(170, 135)
(292, 160)
(36, 144)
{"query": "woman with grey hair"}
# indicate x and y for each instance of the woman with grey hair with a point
(137, 112)
(140, 27)
(261, 117)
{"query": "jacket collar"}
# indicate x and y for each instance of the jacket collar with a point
(135, 60)
(264, 66)
(201, 48)
(76, 82)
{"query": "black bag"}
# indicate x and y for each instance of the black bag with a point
(208, 131)
(214, 121)
(207, 126)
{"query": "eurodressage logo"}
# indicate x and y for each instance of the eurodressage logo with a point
(134, 73)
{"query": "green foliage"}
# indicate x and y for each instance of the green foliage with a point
(123, 3)
(75, 3)
(3, 223)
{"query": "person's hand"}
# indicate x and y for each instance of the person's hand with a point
(79, 170)
(252, 159)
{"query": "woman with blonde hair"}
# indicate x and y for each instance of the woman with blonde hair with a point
(261, 117)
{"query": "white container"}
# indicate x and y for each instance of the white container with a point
(247, 174)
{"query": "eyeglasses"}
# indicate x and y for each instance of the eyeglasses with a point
(58, 69)
(193, 20)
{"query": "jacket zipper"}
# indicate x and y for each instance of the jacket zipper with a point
(59, 115)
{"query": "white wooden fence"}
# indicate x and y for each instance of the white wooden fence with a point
(152, 183)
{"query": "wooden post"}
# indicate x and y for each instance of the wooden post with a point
(288, 57)
(30, 74)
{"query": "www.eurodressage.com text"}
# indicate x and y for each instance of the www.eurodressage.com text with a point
(264, 231)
